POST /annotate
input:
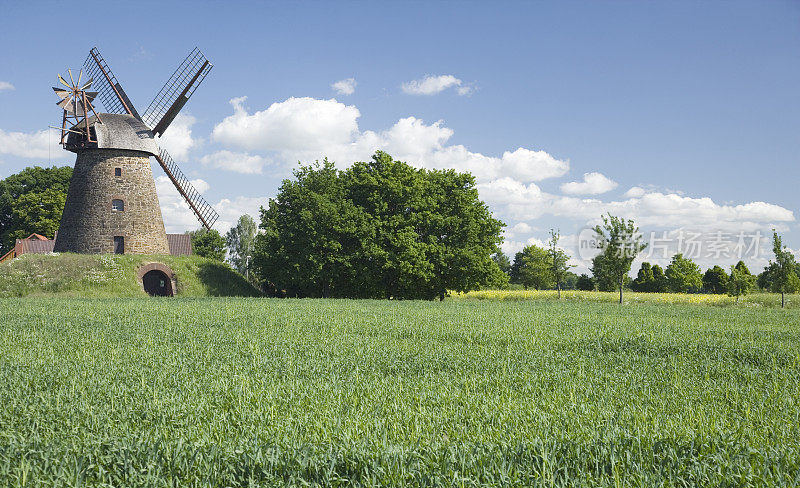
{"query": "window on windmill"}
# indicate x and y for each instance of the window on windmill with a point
(117, 171)
(117, 205)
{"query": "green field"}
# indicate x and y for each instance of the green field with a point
(267, 392)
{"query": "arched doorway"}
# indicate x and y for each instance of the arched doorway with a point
(156, 283)
(157, 280)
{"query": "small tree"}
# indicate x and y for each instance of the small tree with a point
(740, 282)
(783, 269)
(558, 260)
(715, 280)
(502, 262)
(240, 240)
(660, 283)
(644, 279)
(208, 244)
(684, 275)
(620, 242)
(585, 283)
(534, 269)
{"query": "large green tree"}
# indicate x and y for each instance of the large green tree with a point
(32, 201)
(239, 240)
(740, 281)
(644, 281)
(208, 244)
(619, 242)
(684, 275)
(379, 229)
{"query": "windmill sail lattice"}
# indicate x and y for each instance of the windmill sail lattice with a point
(166, 105)
(114, 98)
(176, 91)
(204, 212)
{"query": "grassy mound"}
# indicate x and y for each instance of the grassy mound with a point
(108, 275)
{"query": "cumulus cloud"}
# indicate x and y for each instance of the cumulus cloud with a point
(298, 124)
(307, 129)
(592, 184)
(41, 144)
(345, 87)
(178, 140)
(432, 84)
(635, 192)
(235, 161)
(4, 85)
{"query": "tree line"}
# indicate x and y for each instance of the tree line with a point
(385, 229)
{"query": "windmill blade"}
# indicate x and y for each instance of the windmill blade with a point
(87, 85)
(176, 91)
(62, 93)
(64, 82)
(111, 93)
(204, 212)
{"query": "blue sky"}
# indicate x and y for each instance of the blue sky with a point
(685, 115)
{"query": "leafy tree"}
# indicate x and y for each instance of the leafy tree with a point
(585, 283)
(239, 240)
(513, 273)
(715, 280)
(558, 260)
(783, 270)
(740, 282)
(660, 282)
(619, 242)
(684, 275)
(570, 281)
(32, 201)
(379, 229)
(502, 262)
(603, 275)
(208, 244)
(644, 281)
(535, 268)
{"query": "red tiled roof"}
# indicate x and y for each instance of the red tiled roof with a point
(179, 244)
(34, 246)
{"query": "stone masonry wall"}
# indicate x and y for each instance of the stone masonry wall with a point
(88, 224)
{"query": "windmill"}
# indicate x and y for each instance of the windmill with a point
(112, 205)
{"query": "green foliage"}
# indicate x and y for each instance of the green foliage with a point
(502, 262)
(380, 229)
(715, 280)
(240, 240)
(114, 275)
(208, 244)
(619, 242)
(740, 281)
(244, 392)
(585, 283)
(783, 277)
(644, 281)
(534, 268)
(684, 275)
(558, 260)
(32, 201)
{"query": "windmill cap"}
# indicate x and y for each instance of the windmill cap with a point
(117, 131)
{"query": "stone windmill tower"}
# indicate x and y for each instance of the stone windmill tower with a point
(112, 206)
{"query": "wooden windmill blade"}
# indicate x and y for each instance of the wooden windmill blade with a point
(110, 91)
(204, 212)
(176, 91)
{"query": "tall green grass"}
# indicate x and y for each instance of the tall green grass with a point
(265, 392)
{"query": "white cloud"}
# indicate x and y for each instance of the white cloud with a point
(235, 161)
(41, 144)
(4, 85)
(345, 87)
(307, 129)
(297, 124)
(431, 85)
(635, 192)
(178, 217)
(592, 184)
(178, 140)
